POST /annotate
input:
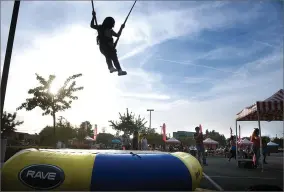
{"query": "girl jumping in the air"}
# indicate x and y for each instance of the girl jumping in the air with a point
(105, 41)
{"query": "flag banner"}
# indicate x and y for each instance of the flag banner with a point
(164, 132)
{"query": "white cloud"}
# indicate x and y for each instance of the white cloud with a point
(72, 49)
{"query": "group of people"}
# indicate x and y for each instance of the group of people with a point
(136, 143)
(255, 139)
(255, 148)
(142, 144)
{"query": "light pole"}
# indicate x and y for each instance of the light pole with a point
(150, 110)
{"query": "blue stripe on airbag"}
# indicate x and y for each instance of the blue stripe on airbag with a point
(150, 172)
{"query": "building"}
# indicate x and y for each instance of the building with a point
(181, 134)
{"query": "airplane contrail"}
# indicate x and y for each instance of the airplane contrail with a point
(204, 66)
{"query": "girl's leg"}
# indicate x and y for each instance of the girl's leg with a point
(116, 63)
(231, 155)
(104, 51)
(109, 64)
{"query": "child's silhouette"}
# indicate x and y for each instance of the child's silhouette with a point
(105, 41)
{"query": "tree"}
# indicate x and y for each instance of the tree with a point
(104, 138)
(155, 138)
(87, 126)
(217, 137)
(278, 141)
(64, 132)
(187, 140)
(148, 131)
(49, 102)
(9, 123)
(265, 138)
(128, 123)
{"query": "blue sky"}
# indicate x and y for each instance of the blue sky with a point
(193, 62)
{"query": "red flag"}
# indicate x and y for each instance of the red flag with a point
(95, 132)
(164, 132)
(200, 128)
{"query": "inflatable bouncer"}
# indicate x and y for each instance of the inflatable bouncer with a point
(100, 170)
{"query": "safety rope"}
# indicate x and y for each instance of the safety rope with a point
(125, 22)
(95, 18)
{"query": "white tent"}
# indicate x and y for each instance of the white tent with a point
(245, 142)
(272, 144)
(210, 142)
(88, 138)
(172, 141)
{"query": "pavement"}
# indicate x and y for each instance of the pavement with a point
(223, 175)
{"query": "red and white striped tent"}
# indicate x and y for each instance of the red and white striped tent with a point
(271, 109)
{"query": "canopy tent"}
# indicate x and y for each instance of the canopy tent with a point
(172, 141)
(210, 142)
(272, 144)
(271, 109)
(88, 138)
(244, 143)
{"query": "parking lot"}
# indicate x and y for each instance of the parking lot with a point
(223, 175)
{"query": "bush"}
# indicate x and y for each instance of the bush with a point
(12, 150)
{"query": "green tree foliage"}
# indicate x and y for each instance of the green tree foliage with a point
(64, 132)
(128, 123)
(154, 138)
(52, 103)
(148, 131)
(265, 138)
(9, 123)
(104, 138)
(81, 134)
(88, 128)
(187, 141)
(217, 137)
(278, 141)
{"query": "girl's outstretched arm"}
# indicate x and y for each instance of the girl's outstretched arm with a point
(115, 34)
(92, 24)
(119, 32)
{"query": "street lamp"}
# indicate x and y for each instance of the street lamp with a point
(150, 110)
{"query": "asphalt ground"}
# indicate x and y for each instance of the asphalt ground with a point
(223, 175)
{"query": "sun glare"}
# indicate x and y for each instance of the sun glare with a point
(54, 88)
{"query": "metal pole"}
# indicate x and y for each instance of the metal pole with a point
(8, 54)
(237, 157)
(150, 116)
(259, 127)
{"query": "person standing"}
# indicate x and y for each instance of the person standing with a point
(256, 145)
(200, 146)
(135, 141)
(233, 148)
(144, 143)
(264, 150)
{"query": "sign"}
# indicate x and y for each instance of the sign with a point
(42, 176)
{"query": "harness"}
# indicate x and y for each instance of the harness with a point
(101, 38)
